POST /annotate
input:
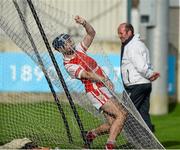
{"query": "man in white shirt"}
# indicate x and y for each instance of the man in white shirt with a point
(137, 73)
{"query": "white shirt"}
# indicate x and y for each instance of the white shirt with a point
(136, 67)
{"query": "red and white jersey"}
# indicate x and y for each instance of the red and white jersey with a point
(81, 61)
(97, 93)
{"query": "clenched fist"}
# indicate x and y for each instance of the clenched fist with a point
(80, 20)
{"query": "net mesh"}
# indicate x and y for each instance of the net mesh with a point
(36, 116)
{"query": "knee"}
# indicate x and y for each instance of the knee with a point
(110, 122)
(121, 115)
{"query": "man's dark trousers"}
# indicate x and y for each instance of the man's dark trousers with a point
(140, 96)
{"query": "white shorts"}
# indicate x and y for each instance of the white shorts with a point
(99, 96)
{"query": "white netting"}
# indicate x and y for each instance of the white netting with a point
(36, 117)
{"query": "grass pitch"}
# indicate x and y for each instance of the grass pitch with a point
(168, 127)
(42, 123)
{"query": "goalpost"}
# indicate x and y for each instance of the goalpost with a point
(50, 133)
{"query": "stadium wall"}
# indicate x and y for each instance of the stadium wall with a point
(174, 41)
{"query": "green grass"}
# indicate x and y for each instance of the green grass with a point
(42, 123)
(168, 127)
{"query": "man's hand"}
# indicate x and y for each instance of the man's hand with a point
(80, 20)
(154, 76)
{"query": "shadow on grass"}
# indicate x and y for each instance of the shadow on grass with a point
(172, 106)
(168, 144)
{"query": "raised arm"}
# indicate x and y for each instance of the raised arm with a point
(89, 30)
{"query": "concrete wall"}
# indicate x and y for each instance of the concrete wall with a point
(174, 40)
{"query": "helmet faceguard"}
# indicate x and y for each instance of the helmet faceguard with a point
(59, 41)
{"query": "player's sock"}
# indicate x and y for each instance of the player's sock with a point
(110, 145)
(90, 136)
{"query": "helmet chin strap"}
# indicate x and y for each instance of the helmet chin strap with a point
(71, 52)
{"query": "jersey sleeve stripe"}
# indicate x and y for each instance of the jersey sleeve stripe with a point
(78, 72)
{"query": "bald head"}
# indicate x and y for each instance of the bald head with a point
(125, 31)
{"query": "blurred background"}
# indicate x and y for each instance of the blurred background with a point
(158, 23)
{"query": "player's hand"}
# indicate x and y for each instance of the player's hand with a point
(80, 20)
(154, 76)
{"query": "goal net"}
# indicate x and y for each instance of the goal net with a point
(52, 120)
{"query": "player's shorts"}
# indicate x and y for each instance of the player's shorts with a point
(99, 96)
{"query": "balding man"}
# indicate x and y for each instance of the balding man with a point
(136, 70)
